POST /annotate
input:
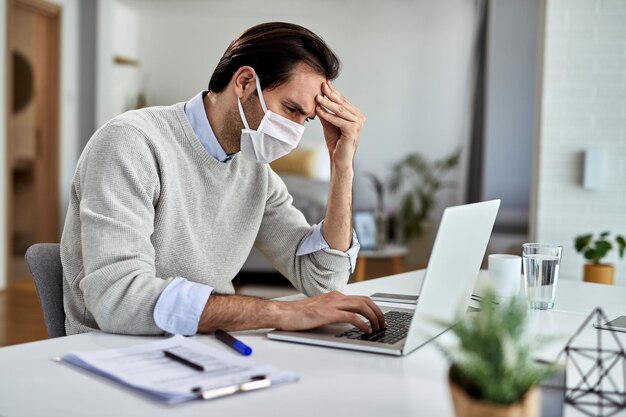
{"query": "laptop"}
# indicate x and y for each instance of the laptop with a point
(445, 291)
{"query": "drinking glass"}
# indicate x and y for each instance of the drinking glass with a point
(541, 272)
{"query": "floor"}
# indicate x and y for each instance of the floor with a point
(21, 319)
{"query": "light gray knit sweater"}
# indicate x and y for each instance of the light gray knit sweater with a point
(148, 204)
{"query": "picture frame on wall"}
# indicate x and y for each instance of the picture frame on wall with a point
(364, 223)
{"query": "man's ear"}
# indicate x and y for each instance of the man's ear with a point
(244, 82)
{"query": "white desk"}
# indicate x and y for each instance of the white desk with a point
(332, 382)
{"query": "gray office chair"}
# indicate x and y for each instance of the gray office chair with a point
(44, 263)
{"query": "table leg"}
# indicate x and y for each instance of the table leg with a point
(359, 271)
(396, 264)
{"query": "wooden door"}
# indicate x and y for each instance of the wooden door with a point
(33, 128)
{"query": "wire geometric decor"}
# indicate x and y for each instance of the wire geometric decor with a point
(598, 392)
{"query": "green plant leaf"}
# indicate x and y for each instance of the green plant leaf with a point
(604, 235)
(453, 160)
(408, 216)
(426, 204)
(591, 255)
(418, 180)
(582, 242)
(602, 248)
(396, 181)
(493, 359)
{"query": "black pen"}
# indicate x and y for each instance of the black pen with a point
(183, 361)
(238, 345)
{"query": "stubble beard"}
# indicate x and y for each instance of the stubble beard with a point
(232, 128)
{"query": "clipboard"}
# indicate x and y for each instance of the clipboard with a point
(255, 383)
(145, 369)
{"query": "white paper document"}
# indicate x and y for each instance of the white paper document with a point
(146, 369)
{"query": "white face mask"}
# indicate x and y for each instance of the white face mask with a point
(275, 137)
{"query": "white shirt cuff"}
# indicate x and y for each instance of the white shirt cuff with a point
(180, 306)
(315, 242)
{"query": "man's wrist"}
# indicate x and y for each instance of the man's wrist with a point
(232, 312)
(275, 313)
(345, 171)
(204, 323)
(283, 314)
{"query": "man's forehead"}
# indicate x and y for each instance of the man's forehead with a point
(302, 88)
(303, 109)
(303, 102)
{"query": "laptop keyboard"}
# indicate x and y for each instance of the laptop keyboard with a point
(397, 328)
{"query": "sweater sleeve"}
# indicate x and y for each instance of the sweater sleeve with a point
(282, 230)
(315, 241)
(119, 189)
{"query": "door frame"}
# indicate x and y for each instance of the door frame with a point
(52, 102)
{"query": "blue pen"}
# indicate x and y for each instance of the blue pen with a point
(238, 345)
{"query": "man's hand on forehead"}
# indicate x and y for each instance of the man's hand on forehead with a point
(342, 123)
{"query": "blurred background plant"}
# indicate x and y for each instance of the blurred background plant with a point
(419, 180)
(595, 250)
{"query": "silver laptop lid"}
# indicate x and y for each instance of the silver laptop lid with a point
(452, 269)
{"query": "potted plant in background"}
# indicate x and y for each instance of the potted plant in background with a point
(595, 250)
(492, 370)
(418, 180)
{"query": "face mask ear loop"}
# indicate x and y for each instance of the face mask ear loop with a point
(258, 89)
(243, 116)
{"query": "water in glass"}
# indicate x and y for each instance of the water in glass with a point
(541, 273)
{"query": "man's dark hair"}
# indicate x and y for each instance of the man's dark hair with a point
(273, 50)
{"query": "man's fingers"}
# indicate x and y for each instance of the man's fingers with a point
(379, 313)
(365, 307)
(336, 97)
(332, 118)
(335, 109)
(340, 110)
(352, 318)
(331, 92)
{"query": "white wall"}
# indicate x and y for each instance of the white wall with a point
(3, 141)
(105, 28)
(583, 105)
(406, 63)
(117, 85)
(70, 141)
(126, 78)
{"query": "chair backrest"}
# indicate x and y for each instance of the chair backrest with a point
(44, 262)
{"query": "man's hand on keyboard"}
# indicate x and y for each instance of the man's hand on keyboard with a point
(332, 307)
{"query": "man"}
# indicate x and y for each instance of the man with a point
(167, 202)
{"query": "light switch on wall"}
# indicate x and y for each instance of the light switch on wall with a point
(593, 175)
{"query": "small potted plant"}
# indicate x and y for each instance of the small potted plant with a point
(492, 370)
(595, 250)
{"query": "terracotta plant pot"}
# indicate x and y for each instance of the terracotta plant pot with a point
(467, 406)
(599, 273)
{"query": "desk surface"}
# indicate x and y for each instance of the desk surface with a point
(332, 382)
